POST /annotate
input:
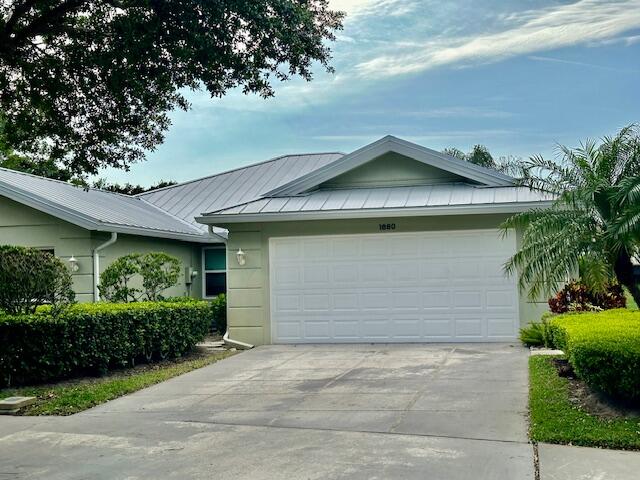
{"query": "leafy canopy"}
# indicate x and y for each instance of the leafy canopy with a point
(479, 155)
(593, 227)
(91, 82)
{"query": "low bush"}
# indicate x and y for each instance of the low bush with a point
(217, 313)
(576, 297)
(603, 349)
(30, 277)
(93, 338)
(536, 334)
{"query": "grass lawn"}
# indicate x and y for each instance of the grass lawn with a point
(554, 419)
(72, 396)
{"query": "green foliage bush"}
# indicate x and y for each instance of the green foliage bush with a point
(603, 349)
(576, 297)
(30, 277)
(157, 271)
(93, 338)
(536, 334)
(217, 313)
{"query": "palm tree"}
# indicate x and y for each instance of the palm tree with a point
(593, 227)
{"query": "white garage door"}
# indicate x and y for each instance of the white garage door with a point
(390, 287)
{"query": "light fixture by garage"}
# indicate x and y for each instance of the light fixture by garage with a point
(241, 257)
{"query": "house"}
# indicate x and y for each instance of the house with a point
(393, 242)
(91, 228)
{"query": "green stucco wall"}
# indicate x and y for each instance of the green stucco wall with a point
(392, 169)
(25, 226)
(189, 254)
(248, 285)
(22, 225)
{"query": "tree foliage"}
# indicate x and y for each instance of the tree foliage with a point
(90, 83)
(592, 229)
(129, 188)
(31, 277)
(134, 277)
(479, 155)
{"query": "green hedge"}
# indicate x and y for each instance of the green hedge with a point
(603, 349)
(93, 338)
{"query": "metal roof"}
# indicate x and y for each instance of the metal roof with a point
(95, 209)
(363, 202)
(389, 143)
(188, 200)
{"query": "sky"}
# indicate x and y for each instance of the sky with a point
(520, 77)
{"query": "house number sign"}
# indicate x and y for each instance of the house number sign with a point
(386, 226)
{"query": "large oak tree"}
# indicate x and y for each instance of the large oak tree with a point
(90, 83)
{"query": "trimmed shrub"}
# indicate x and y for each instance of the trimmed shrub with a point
(30, 277)
(157, 271)
(90, 339)
(218, 311)
(603, 349)
(576, 297)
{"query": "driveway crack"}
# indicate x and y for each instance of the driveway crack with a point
(419, 393)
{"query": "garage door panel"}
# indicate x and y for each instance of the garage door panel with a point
(440, 327)
(469, 327)
(373, 247)
(287, 303)
(316, 303)
(315, 274)
(426, 286)
(374, 301)
(287, 275)
(348, 274)
(436, 300)
(406, 300)
(499, 327)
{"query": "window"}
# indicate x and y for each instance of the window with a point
(214, 268)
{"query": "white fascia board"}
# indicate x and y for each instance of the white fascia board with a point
(150, 232)
(402, 147)
(222, 219)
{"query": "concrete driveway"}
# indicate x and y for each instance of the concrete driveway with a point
(432, 412)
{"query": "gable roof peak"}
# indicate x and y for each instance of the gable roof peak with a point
(387, 144)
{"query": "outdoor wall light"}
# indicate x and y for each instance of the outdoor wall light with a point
(73, 264)
(241, 257)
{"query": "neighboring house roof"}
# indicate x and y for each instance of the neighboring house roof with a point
(188, 200)
(398, 201)
(97, 209)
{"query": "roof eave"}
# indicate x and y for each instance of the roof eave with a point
(85, 222)
(476, 209)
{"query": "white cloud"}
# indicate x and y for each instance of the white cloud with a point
(540, 58)
(350, 6)
(533, 31)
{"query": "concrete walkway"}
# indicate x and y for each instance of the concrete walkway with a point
(451, 412)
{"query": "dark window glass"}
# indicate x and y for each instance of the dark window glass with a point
(215, 284)
(215, 259)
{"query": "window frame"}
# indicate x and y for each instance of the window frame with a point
(204, 271)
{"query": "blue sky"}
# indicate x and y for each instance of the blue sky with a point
(518, 77)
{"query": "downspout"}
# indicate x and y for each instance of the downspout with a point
(96, 264)
(225, 337)
(235, 343)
